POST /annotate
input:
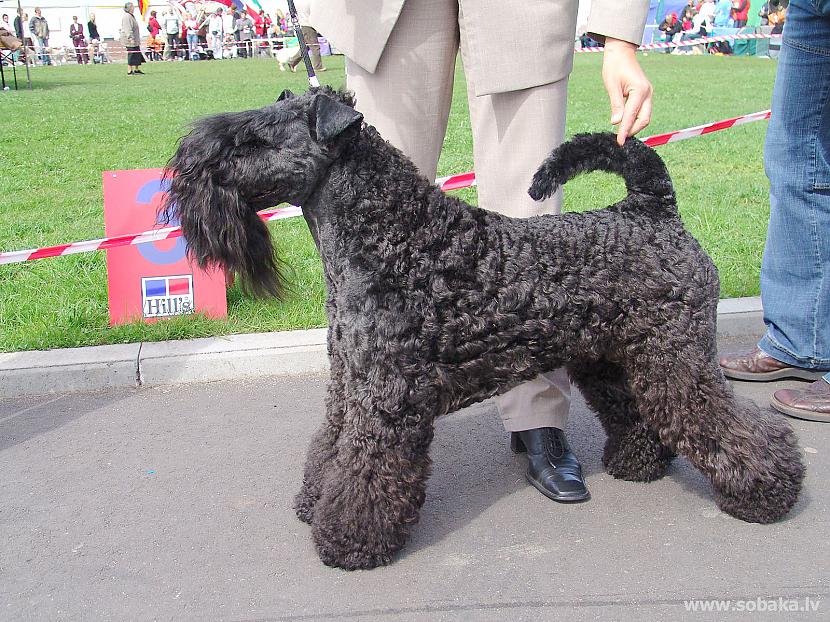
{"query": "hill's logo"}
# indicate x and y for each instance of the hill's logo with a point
(164, 296)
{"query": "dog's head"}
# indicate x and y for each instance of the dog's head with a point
(233, 164)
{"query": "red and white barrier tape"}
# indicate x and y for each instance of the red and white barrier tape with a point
(688, 42)
(452, 182)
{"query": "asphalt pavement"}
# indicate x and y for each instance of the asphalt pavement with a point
(174, 503)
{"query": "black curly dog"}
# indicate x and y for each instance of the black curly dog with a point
(434, 305)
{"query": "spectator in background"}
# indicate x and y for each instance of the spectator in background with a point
(263, 31)
(216, 29)
(777, 17)
(705, 18)
(94, 36)
(7, 39)
(263, 25)
(723, 14)
(172, 27)
(701, 26)
(670, 27)
(740, 12)
(28, 39)
(18, 27)
(191, 25)
(687, 18)
(155, 46)
(204, 21)
(310, 37)
(245, 29)
(153, 24)
(231, 36)
(40, 31)
(280, 27)
(154, 41)
(21, 26)
(76, 32)
(131, 39)
(764, 14)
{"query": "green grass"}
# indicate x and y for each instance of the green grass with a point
(79, 121)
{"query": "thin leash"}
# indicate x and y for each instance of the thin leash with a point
(298, 31)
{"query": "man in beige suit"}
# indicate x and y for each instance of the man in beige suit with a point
(517, 55)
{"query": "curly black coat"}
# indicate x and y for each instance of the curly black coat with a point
(434, 305)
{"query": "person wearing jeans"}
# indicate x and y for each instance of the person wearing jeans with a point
(40, 29)
(795, 270)
(192, 26)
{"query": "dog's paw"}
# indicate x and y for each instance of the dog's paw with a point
(639, 456)
(359, 532)
(766, 503)
(304, 504)
(354, 558)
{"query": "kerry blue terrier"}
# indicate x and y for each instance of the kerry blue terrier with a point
(434, 305)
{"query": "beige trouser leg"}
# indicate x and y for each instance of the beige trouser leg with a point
(408, 100)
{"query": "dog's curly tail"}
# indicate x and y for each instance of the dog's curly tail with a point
(643, 170)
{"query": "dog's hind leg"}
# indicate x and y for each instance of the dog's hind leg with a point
(751, 457)
(372, 494)
(633, 450)
(321, 450)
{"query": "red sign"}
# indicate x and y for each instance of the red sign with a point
(153, 280)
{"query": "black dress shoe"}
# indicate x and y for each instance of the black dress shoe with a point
(552, 468)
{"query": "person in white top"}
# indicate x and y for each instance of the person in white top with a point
(229, 31)
(705, 18)
(216, 30)
(172, 30)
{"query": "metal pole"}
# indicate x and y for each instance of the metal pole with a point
(25, 49)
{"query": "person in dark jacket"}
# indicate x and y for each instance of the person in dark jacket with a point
(670, 27)
(40, 31)
(76, 32)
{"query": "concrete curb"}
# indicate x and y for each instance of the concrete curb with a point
(222, 358)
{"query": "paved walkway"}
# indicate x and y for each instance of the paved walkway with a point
(174, 503)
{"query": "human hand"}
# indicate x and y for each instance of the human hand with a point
(628, 88)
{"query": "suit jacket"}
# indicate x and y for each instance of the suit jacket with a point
(532, 46)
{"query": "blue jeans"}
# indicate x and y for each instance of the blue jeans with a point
(192, 44)
(795, 272)
(43, 50)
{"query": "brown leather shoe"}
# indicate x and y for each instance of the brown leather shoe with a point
(812, 403)
(758, 366)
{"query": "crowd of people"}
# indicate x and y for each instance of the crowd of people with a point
(699, 17)
(28, 39)
(223, 33)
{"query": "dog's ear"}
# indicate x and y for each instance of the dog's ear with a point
(330, 118)
(286, 94)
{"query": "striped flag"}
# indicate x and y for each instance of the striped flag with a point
(253, 7)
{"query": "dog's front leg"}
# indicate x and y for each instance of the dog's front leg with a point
(321, 450)
(372, 494)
